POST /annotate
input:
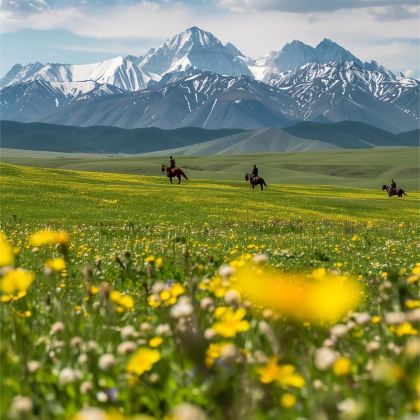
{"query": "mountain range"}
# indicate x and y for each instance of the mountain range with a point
(193, 79)
(303, 136)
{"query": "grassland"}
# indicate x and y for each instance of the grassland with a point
(72, 341)
(359, 168)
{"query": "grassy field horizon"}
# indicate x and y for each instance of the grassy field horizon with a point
(124, 295)
(368, 168)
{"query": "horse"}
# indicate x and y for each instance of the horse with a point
(174, 173)
(255, 180)
(393, 191)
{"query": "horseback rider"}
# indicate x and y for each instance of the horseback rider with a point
(254, 173)
(172, 162)
(393, 186)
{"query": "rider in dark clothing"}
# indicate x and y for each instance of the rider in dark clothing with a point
(172, 162)
(254, 172)
(393, 185)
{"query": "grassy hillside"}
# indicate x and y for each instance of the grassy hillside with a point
(353, 135)
(129, 309)
(361, 168)
(51, 195)
(101, 139)
(267, 140)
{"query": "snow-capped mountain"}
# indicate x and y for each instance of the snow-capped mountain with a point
(193, 79)
(315, 92)
(195, 48)
(124, 73)
(32, 100)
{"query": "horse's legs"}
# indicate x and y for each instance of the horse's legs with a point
(179, 179)
(262, 188)
(170, 178)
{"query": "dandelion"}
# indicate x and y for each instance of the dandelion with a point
(341, 366)
(16, 282)
(7, 256)
(155, 342)
(46, 237)
(404, 329)
(287, 400)
(142, 360)
(230, 322)
(217, 351)
(123, 301)
(320, 298)
(56, 264)
(283, 375)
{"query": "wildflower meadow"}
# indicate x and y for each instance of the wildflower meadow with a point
(125, 297)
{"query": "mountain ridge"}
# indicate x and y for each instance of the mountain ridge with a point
(193, 79)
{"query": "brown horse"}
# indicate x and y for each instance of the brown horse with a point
(393, 191)
(255, 180)
(174, 173)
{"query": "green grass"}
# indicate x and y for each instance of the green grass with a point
(116, 222)
(360, 168)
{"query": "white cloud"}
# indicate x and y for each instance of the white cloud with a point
(253, 33)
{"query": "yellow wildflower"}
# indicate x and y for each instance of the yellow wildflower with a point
(415, 274)
(404, 329)
(230, 322)
(376, 319)
(287, 400)
(7, 256)
(216, 285)
(142, 360)
(16, 281)
(149, 259)
(155, 342)
(214, 352)
(283, 375)
(341, 366)
(320, 298)
(57, 264)
(44, 237)
(159, 263)
(412, 303)
(123, 301)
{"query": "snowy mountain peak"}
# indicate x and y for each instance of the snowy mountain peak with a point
(328, 50)
(194, 47)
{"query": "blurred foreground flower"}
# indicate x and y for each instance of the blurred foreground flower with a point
(45, 237)
(283, 375)
(7, 256)
(56, 264)
(142, 360)
(320, 297)
(230, 322)
(16, 281)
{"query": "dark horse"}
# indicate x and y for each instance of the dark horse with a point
(255, 180)
(174, 173)
(393, 191)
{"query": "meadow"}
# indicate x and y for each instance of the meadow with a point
(126, 297)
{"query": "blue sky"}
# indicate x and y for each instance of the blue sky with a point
(85, 31)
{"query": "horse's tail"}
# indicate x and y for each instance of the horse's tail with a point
(403, 192)
(183, 174)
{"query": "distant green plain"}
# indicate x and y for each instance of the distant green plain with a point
(368, 168)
